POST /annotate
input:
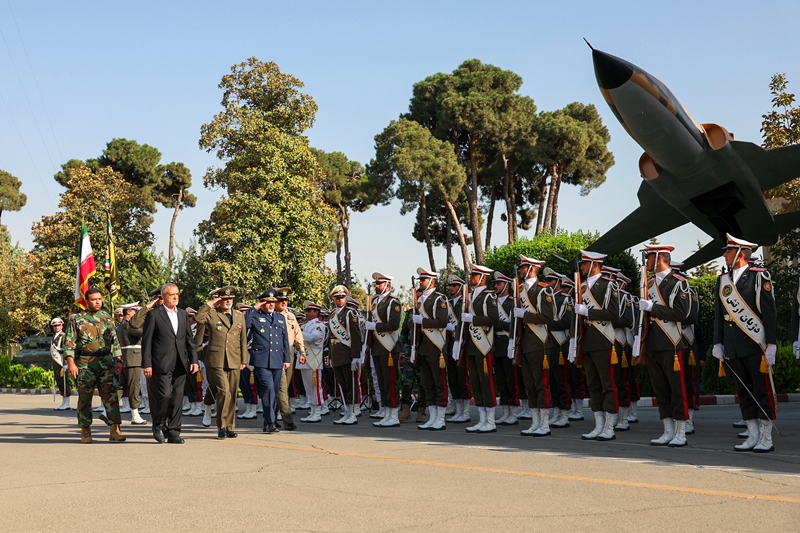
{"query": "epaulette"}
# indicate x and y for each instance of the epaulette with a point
(757, 269)
(678, 277)
(542, 284)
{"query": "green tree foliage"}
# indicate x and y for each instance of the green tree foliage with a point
(563, 244)
(571, 147)
(273, 227)
(190, 277)
(11, 199)
(407, 154)
(172, 191)
(470, 108)
(90, 193)
(345, 190)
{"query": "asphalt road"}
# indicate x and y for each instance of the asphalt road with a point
(324, 477)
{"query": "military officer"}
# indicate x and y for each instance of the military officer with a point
(130, 340)
(627, 389)
(505, 373)
(310, 364)
(431, 317)
(296, 345)
(576, 382)
(383, 326)
(225, 354)
(558, 350)
(688, 329)
(745, 333)
(269, 352)
(478, 321)
(668, 305)
(456, 374)
(600, 306)
(345, 351)
(60, 367)
(93, 356)
(538, 313)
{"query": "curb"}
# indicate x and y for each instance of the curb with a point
(41, 391)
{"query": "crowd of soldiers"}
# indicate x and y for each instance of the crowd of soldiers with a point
(520, 346)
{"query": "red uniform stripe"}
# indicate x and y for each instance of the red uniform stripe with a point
(546, 384)
(613, 383)
(683, 387)
(770, 398)
(490, 368)
(444, 385)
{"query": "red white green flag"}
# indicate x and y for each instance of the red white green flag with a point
(86, 267)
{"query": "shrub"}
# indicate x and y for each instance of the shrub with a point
(36, 378)
(786, 373)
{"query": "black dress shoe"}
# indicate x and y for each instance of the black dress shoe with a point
(173, 437)
(291, 427)
(158, 434)
(231, 434)
(221, 433)
(278, 425)
(271, 428)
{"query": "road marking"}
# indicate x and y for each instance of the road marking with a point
(523, 473)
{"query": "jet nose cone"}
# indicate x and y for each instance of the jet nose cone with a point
(610, 71)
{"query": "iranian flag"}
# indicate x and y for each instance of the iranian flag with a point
(86, 267)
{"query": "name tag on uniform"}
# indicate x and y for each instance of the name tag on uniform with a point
(262, 320)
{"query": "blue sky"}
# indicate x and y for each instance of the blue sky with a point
(75, 75)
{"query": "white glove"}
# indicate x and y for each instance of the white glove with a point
(519, 312)
(510, 353)
(645, 305)
(582, 309)
(370, 326)
(413, 354)
(354, 365)
(467, 317)
(573, 351)
(66, 367)
(796, 349)
(450, 327)
(770, 354)
(637, 346)
(718, 351)
(363, 350)
(417, 319)
(250, 368)
(456, 350)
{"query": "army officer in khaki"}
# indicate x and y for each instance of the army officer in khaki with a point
(224, 355)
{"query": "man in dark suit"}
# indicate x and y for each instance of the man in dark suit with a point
(168, 355)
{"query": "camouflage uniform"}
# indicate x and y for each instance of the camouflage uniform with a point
(92, 342)
(410, 375)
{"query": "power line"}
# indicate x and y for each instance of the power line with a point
(36, 83)
(22, 86)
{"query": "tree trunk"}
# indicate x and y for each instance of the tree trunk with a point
(510, 211)
(472, 198)
(346, 238)
(540, 199)
(554, 216)
(555, 179)
(339, 238)
(489, 218)
(449, 241)
(423, 204)
(461, 240)
(172, 228)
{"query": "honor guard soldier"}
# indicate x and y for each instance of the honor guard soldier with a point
(627, 361)
(478, 320)
(558, 351)
(432, 320)
(60, 368)
(384, 327)
(668, 305)
(456, 375)
(130, 340)
(310, 363)
(93, 356)
(345, 351)
(599, 306)
(621, 324)
(504, 370)
(269, 352)
(745, 333)
(295, 345)
(576, 382)
(537, 312)
(689, 329)
(224, 355)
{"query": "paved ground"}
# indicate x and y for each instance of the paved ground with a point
(327, 478)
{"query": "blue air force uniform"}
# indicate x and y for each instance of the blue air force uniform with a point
(268, 351)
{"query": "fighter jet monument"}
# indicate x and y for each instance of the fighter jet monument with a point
(691, 173)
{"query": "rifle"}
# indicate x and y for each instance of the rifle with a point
(518, 324)
(462, 352)
(644, 323)
(415, 337)
(579, 326)
(370, 334)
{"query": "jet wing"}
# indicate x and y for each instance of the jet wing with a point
(771, 167)
(653, 217)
